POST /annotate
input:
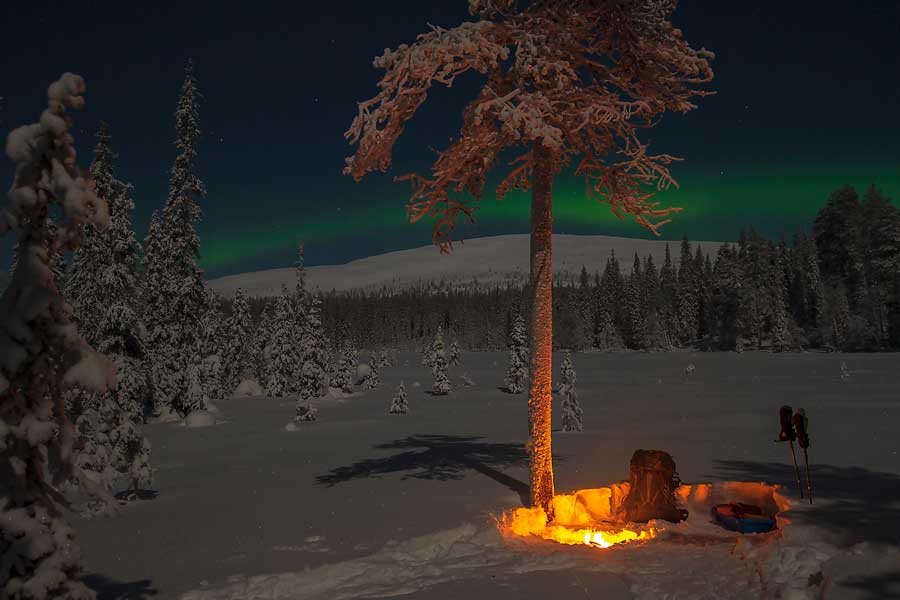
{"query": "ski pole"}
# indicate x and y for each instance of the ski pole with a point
(801, 424)
(788, 435)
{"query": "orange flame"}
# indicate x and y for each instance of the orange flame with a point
(583, 517)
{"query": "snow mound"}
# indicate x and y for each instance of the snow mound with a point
(200, 418)
(249, 387)
(167, 415)
(362, 371)
(339, 394)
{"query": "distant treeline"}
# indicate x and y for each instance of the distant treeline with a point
(835, 288)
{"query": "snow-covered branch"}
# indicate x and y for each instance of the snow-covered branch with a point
(579, 78)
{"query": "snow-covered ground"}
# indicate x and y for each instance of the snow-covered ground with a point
(366, 504)
(495, 259)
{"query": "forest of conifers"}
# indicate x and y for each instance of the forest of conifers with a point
(835, 287)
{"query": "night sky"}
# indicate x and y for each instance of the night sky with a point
(807, 99)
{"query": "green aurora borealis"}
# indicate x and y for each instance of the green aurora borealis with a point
(772, 199)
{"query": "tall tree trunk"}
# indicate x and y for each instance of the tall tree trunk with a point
(540, 396)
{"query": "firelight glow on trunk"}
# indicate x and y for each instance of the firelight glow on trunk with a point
(540, 396)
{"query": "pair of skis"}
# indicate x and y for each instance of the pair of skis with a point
(794, 426)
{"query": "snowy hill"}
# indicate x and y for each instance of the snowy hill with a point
(496, 259)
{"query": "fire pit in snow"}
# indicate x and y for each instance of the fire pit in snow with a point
(590, 516)
(609, 516)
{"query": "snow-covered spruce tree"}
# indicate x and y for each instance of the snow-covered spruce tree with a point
(301, 298)
(563, 79)
(382, 358)
(213, 342)
(305, 413)
(399, 405)
(635, 304)
(195, 396)
(58, 261)
(161, 359)
(104, 288)
(283, 359)
(686, 293)
(91, 262)
(454, 354)
(441, 384)
(313, 381)
(428, 355)
(571, 408)
(343, 375)
(517, 371)
(373, 378)
(110, 424)
(42, 354)
(262, 343)
(238, 358)
(178, 296)
(130, 396)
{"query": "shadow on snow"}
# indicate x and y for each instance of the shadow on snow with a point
(440, 458)
(110, 589)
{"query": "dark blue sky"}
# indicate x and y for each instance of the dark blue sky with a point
(807, 98)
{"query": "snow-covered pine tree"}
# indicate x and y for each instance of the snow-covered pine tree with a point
(238, 358)
(283, 359)
(373, 378)
(559, 83)
(399, 405)
(441, 385)
(454, 354)
(313, 380)
(571, 409)
(517, 372)
(178, 294)
(343, 375)
(43, 353)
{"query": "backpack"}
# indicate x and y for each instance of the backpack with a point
(653, 481)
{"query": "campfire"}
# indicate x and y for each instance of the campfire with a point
(606, 517)
(584, 517)
(590, 517)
